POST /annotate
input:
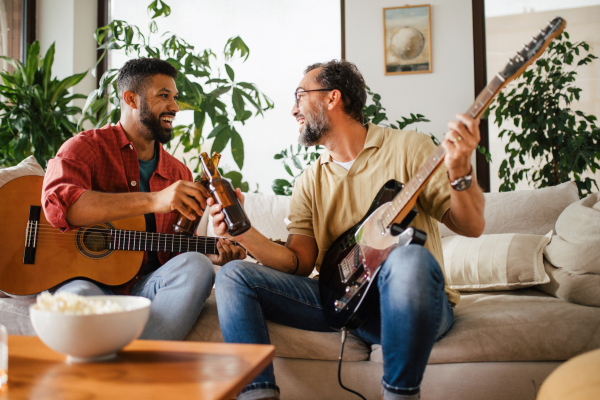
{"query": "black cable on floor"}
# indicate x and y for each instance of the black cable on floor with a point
(340, 367)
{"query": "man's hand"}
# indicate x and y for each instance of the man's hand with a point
(465, 215)
(227, 252)
(461, 140)
(181, 196)
(219, 224)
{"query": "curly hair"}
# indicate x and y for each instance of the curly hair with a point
(134, 75)
(345, 77)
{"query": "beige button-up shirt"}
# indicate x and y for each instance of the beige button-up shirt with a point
(328, 200)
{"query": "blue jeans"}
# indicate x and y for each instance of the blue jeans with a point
(178, 290)
(413, 313)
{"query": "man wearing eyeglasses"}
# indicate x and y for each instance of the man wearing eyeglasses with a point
(413, 305)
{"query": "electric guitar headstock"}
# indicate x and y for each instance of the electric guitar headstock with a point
(532, 50)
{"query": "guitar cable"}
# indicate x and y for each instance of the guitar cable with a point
(340, 367)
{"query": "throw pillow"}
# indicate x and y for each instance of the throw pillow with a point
(27, 167)
(574, 254)
(524, 211)
(494, 262)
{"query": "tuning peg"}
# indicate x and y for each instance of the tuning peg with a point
(525, 47)
(542, 32)
(550, 24)
(510, 61)
(533, 39)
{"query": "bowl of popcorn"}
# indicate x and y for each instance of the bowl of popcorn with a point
(91, 328)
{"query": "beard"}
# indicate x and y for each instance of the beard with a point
(154, 128)
(316, 126)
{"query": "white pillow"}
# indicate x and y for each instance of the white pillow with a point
(27, 167)
(495, 262)
(267, 213)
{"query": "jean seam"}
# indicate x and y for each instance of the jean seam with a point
(282, 294)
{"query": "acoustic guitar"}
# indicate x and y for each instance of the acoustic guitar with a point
(352, 263)
(36, 256)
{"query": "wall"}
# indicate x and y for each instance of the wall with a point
(439, 95)
(71, 25)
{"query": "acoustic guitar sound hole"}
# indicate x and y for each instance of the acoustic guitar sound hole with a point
(93, 241)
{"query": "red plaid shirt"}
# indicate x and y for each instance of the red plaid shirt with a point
(105, 160)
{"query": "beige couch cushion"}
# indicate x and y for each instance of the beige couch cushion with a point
(494, 262)
(574, 286)
(522, 325)
(574, 254)
(288, 342)
(524, 211)
(576, 246)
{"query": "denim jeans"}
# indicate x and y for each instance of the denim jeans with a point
(178, 290)
(413, 313)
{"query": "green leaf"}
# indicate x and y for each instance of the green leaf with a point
(218, 129)
(237, 148)
(65, 84)
(33, 51)
(234, 45)
(238, 103)
(47, 67)
(219, 91)
(230, 72)
(288, 169)
(221, 141)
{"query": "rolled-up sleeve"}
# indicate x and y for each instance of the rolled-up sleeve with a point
(300, 209)
(68, 176)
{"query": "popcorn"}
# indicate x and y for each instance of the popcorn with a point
(73, 304)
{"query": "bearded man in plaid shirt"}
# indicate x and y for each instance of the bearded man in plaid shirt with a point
(122, 171)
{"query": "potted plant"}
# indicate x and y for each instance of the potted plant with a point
(36, 110)
(562, 143)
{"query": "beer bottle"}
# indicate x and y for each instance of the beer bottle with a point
(222, 192)
(183, 224)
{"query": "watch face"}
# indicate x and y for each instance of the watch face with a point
(462, 184)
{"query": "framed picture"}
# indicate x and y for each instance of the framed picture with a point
(407, 40)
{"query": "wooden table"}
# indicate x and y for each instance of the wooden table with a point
(145, 369)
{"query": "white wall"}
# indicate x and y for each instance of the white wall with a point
(439, 95)
(71, 25)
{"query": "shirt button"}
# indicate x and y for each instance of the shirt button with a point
(131, 147)
(133, 183)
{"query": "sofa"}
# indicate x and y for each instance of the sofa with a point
(520, 316)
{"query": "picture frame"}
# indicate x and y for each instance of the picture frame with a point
(407, 40)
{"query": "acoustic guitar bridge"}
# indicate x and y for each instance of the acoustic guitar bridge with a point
(31, 234)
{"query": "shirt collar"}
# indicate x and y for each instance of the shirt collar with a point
(163, 157)
(374, 139)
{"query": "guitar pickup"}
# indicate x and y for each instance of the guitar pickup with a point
(351, 267)
(31, 234)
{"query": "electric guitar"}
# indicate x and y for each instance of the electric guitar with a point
(36, 256)
(352, 263)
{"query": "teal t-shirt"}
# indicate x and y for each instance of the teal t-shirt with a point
(146, 170)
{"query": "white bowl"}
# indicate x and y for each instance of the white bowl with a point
(95, 337)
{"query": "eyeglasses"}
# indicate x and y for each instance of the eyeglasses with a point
(296, 93)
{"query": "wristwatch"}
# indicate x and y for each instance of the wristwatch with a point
(462, 183)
